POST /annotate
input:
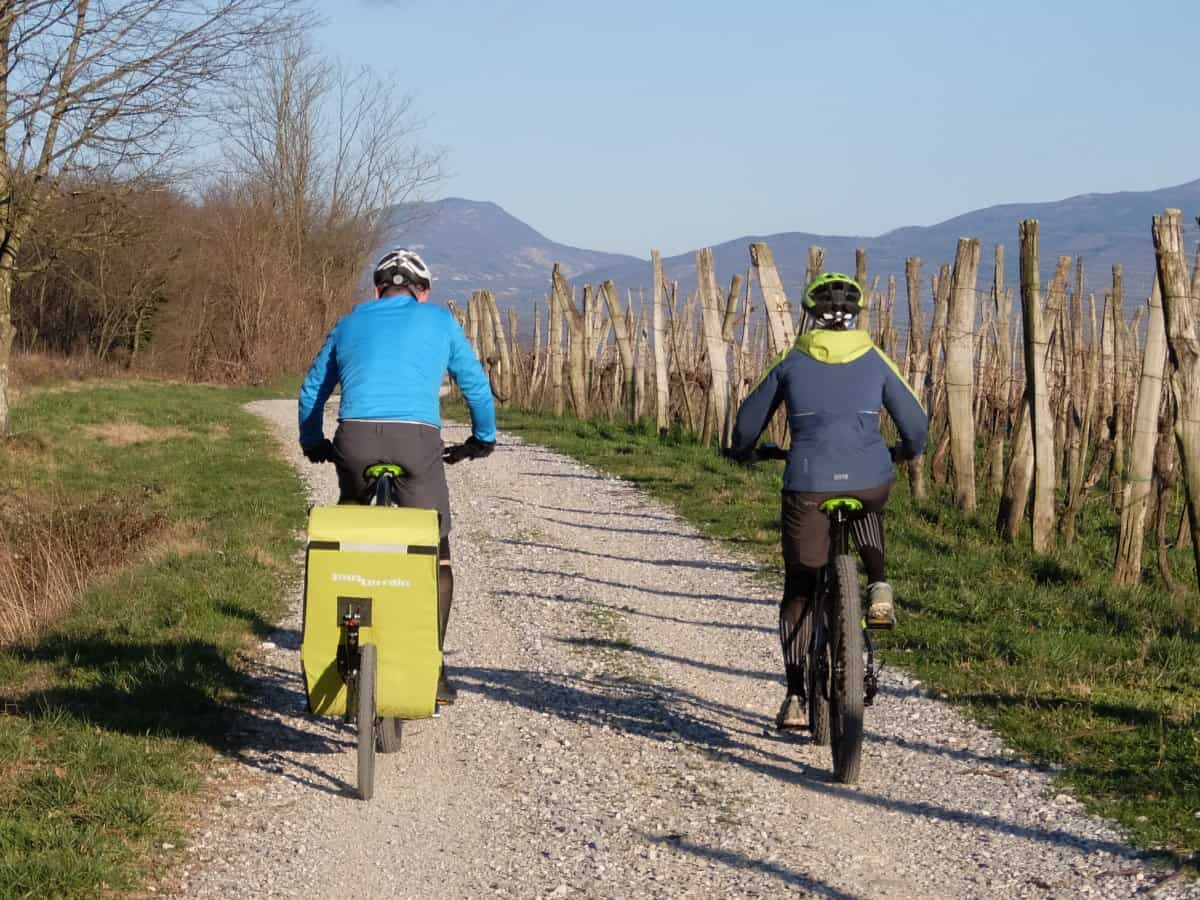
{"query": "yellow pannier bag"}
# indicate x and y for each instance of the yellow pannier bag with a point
(382, 562)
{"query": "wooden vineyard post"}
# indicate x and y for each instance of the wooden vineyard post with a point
(1001, 390)
(860, 275)
(1078, 489)
(1135, 501)
(1037, 390)
(624, 345)
(816, 265)
(677, 356)
(1183, 342)
(960, 371)
(713, 322)
(520, 381)
(661, 380)
(937, 365)
(1119, 385)
(918, 364)
(505, 366)
(535, 386)
(775, 301)
(555, 337)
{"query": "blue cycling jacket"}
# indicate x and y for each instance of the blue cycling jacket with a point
(390, 356)
(834, 385)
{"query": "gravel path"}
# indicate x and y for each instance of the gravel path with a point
(618, 675)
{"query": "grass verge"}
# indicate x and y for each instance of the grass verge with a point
(1072, 672)
(112, 704)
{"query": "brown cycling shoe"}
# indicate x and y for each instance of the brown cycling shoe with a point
(791, 714)
(446, 692)
(881, 606)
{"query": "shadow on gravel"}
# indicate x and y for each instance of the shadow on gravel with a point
(645, 589)
(596, 512)
(629, 610)
(177, 690)
(705, 564)
(664, 713)
(649, 532)
(739, 861)
(625, 646)
(561, 475)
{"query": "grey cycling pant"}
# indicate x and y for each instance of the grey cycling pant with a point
(414, 446)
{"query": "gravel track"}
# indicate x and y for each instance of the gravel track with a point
(618, 675)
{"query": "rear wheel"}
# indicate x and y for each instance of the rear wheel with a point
(365, 714)
(846, 684)
(814, 637)
(388, 732)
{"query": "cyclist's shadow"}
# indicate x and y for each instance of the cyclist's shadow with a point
(178, 690)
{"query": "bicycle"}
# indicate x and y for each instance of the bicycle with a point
(357, 663)
(841, 677)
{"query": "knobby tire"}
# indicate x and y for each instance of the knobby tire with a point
(814, 637)
(846, 695)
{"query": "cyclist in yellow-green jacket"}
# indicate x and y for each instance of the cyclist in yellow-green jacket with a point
(834, 383)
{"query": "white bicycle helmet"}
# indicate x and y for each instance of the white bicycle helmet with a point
(402, 268)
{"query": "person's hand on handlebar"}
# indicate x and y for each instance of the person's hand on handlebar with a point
(898, 453)
(321, 452)
(471, 448)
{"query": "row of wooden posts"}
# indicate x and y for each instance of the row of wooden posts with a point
(1069, 395)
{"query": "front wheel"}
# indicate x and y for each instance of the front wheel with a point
(846, 685)
(815, 636)
(365, 714)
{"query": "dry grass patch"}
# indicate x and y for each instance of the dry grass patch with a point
(125, 434)
(48, 555)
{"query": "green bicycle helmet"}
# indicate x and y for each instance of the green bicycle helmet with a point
(833, 299)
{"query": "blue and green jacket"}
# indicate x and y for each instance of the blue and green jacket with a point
(834, 385)
(390, 356)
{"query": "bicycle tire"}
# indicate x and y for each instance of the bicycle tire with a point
(388, 734)
(846, 687)
(365, 715)
(814, 635)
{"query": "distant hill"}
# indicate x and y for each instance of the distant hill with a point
(1103, 228)
(473, 245)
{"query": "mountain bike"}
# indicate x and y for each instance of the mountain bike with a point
(841, 677)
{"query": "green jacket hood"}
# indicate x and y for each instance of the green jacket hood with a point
(834, 347)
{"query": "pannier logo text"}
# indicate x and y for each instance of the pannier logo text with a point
(373, 582)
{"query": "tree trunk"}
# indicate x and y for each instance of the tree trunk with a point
(1135, 501)
(7, 333)
(960, 374)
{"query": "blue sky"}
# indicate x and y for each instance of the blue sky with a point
(623, 126)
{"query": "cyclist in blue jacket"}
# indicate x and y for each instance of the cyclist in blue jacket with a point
(390, 356)
(834, 383)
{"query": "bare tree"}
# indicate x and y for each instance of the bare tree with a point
(106, 86)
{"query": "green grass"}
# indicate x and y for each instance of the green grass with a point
(112, 712)
(1103, 682)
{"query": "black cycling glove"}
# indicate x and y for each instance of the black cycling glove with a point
(321, 452)
(471, 448)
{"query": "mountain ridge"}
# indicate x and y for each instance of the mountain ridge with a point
(477, 244)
